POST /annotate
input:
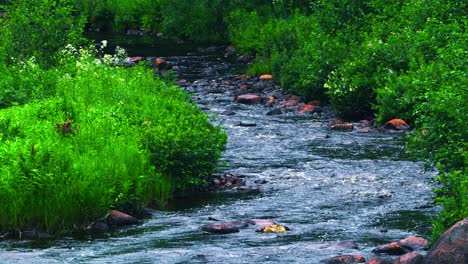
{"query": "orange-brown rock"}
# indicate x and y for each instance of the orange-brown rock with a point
(243, 76)
(271, 101)
(451, 247)
(416, 243)
(308, 108)
(393, 248)
(248, 99)
(266, 77)
(159, 61)
(117, 218)
(342, 127)
(410, 258)
(290, 102)
(345, 259)
(397, 124)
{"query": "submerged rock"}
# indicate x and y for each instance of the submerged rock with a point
(379, 260)
(344, 259)
(224, 227)
(342, 127)
(452, 246)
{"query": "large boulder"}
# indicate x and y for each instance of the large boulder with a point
(410, 258)
(117, 218)
(451, 247)
(397, 124)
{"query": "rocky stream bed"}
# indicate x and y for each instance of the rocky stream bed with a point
(341, 189)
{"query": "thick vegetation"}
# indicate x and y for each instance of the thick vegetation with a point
(79, 136)
(372, 58)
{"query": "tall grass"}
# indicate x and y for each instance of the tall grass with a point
(109, 138)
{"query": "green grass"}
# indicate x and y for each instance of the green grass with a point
(110, 138)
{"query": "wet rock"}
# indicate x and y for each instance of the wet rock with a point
(308, 108)
(397, 124)
(271, 101)
(415, 243)
(136, 59)
(344, 245)
(276, 111)
(209, 72)
(99, 226)
(379, 260)
(262, 86)
(226, 181)
(342, 127)
(410, 258)
(228, 113)
(289, 102)
(212, 49)
(244, 87)
(224, 227)
(246, 124)
(117, 218)
(161, 65)
(274, 228)
(229, 51)
(452, 246)
(266, 77)
(344, 259)
(260, 181)
(245, 59)
(394, 248)
(248, 99)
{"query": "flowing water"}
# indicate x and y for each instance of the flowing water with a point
(326, 186)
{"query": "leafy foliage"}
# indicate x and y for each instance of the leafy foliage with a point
(38, 29)
(107, 137)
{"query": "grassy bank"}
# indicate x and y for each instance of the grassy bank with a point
(80, 136)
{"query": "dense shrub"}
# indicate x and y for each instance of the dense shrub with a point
(24, 82)
(38, 28)
(111, 137)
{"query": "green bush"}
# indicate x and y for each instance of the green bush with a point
(39, 29)
(110, 138)
(24, 82)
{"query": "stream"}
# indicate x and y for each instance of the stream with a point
(326, 186)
